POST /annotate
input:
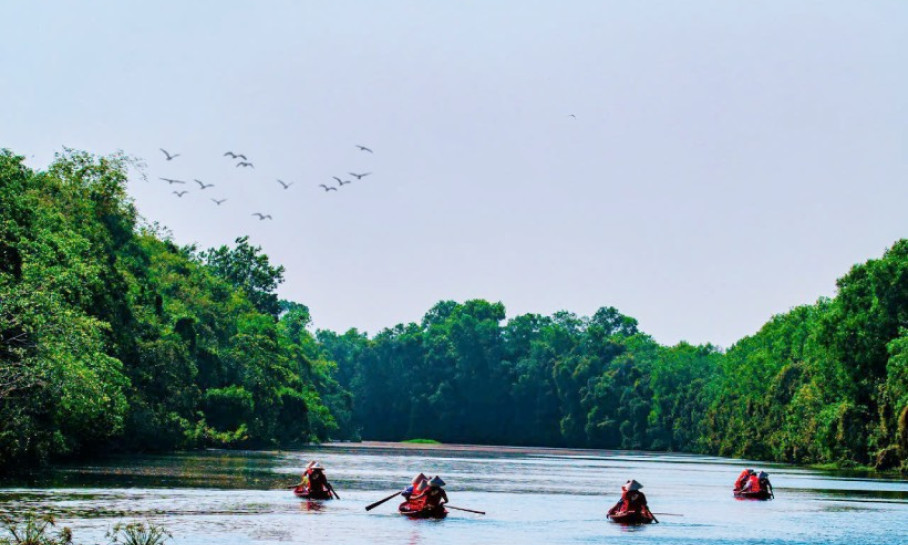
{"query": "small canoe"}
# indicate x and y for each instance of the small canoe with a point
(630, 517)
(304, 493)
(418, 511)
(755, 495)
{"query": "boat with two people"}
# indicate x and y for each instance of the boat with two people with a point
(751, 485)
(425, 498)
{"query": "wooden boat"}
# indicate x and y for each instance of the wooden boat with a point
(417, 510)
(304, 493)
(630, 517)
(753, 495)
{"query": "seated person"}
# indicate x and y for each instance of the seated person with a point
(632, 500)
(416, 486)
(742, 479)
(318, 482)
(763, 480)
(433, 495)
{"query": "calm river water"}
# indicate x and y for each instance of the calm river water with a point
(548, 496)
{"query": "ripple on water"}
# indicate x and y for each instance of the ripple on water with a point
(531, 496)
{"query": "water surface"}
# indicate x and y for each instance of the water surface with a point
(549, 496)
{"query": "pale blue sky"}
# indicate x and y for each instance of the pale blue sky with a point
(728, 160)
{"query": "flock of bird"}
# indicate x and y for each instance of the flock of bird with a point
(244, 162)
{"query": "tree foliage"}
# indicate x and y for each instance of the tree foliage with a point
(822, 383)
(114, 337)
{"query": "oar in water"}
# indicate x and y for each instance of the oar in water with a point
(654, 516)
(331, 488)
(372, 506)
(467, 510)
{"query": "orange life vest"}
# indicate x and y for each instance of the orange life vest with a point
(755, 485)
(633, 501)
(428, 499)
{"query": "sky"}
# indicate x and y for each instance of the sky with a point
(699, 165)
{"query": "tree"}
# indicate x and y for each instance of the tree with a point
(247, 268)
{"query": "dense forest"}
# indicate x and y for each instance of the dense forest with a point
(822, 383)
(114, 337)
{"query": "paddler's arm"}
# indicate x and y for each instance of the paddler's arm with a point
(418, 495)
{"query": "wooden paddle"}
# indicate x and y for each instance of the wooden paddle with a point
(667, 514)
(467, 510)
(372, 506)
(652, 515)
(331, 488)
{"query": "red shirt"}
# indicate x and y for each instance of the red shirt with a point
(633, 500)
(431, 497)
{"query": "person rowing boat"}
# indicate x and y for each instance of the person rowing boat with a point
(314, 484)
(753, 485)
(419, 483)
(429, 502)
(632, 507)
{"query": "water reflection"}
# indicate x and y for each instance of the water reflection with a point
(530, 495)
(310, 506)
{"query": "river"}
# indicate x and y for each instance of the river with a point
(549, 496)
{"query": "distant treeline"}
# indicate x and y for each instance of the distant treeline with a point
(825, 383)
(113, 337)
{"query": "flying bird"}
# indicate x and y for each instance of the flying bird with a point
(168, 155)
(359, 176)
(363, 148)
(218, 202)
(285, 185)
(235, 155)
(342, 183)
(202, 185)
(326, 188)
(172, 181)
(245, 164)
(180, 193)
(263, 216)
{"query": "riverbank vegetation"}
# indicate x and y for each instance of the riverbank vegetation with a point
(114, 337)
(31, 530)
(822, 383)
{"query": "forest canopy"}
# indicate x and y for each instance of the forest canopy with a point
(113, 337)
